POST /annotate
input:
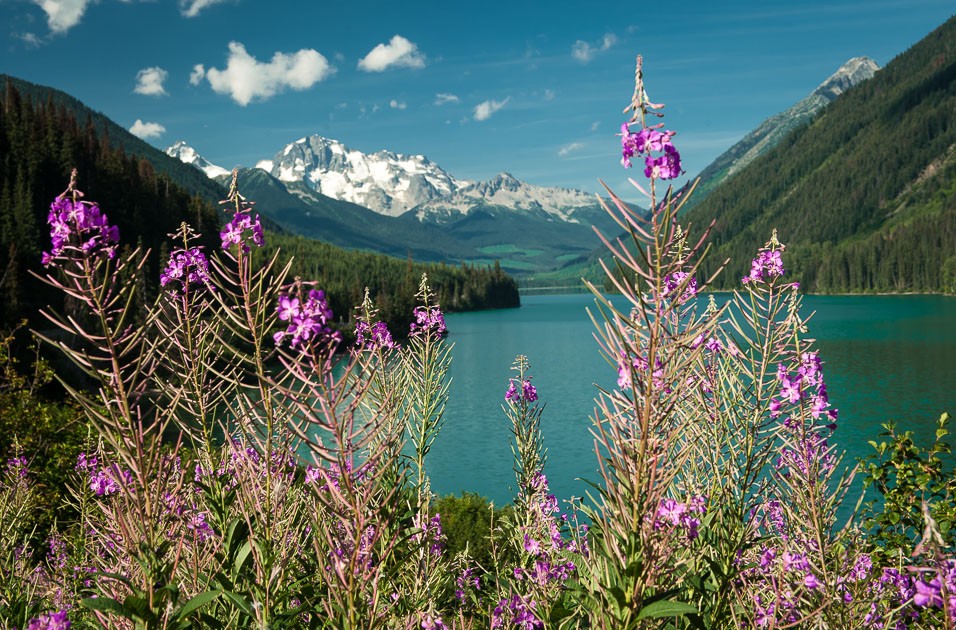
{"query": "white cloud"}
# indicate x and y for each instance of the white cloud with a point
(585, 52)
(197, 75)
(246, 79)
(595, 125)
(149, 81)
(147, 130)
(443, 98)
(570, 148)
(399, 52)
(62, 15)
(191, 8)
(397, 104)
(30, 39)
(483, 111)
(549, 95)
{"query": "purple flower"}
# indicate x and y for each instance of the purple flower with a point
(374, 337)
(767, 264)
(428, 319)
(200, 527)
(674, 281)
(515, 613)
(234, 232)
(648, 141)
(928, 594)
(309, 320)
(667, 166)
(288, 308)
(50, 621)
(528, 392)
(17, 467)
(79, 223)
(186, 267)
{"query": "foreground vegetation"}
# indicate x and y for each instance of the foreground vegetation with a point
(244, 472)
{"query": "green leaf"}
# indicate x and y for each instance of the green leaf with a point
(241, 556)
(105, 604)
(239, 601)
(666, 609)
(138, 607)
(197, 602)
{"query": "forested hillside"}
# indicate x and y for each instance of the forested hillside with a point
(40, 143)
(864, 195)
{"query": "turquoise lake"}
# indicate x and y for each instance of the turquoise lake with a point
(885, 358)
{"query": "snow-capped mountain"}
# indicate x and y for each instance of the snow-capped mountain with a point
(506, 191)
(187, 154)
(388, 183)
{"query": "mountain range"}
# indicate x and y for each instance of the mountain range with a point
(406, 204)
(322, 188)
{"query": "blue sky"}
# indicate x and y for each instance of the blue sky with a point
(533, 88)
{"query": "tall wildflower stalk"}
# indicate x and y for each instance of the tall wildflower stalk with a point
(645, 517)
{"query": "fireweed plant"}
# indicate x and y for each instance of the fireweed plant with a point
(249, 470)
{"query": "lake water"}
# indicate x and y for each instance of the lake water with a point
(886, 358)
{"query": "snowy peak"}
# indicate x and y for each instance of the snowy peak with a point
(185, 153)
(389, 183)
(506, 191)
(852, 72)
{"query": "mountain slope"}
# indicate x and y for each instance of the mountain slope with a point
(41, 141)
(771, 131)
(863, 195)
(118, 137)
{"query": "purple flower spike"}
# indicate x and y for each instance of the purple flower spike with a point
(374, 337)
(186, 267)
(428, 319)
(234, 232)
(767, 264)
(528, 392)
(81, 225)
(646, 142)
(309, 320)
(673, 282)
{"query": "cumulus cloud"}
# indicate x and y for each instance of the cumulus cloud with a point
(443, 98)
(191, 8)
(246, 79)
(149, 81)
(398, 53)
(585, 52)
(483, 111)
(570, 148)
(146, 130)
(62, 15)
(397, 104)
(197, 75)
